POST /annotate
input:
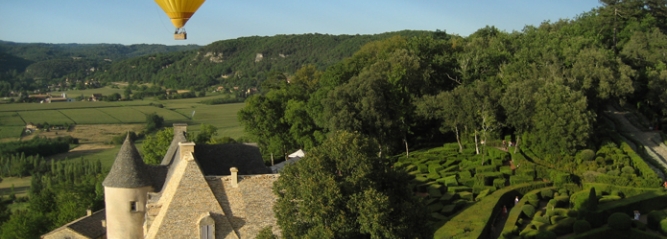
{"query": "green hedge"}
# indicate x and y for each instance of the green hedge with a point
(510, 229)
(474, 222)
(607, 233)
(520, 179)
(627, 191)
(644, 203)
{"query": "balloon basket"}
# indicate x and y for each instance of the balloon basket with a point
(180, 36)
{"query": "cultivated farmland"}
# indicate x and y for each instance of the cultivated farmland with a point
(90, 116)
(53, 117)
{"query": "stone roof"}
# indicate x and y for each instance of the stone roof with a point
(215, 160)
(86, 227)
(249, 206)
(128, 170)
(186, 196)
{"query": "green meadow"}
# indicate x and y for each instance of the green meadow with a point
(14, 116)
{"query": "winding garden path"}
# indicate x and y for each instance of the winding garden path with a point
(651, 140)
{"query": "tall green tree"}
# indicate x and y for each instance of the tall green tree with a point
(156, 146)
(563, 123)
(341, 189)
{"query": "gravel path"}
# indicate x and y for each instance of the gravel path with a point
(651, 140)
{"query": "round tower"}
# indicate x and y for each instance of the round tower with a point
(126, 190)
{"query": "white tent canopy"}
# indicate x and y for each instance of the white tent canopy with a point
(298, 154)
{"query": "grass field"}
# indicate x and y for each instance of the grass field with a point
(10, 132)
(53, 117)
(21, 186)
(11, 118)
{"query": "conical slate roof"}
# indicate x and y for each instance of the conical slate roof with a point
(128, 170)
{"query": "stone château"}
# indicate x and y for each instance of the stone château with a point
(198, 191)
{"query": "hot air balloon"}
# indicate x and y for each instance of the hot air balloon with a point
(179, 11)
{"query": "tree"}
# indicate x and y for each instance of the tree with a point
(23, 224)
(153, 122)
(206, 134)
(562, 120)
(341, 189)
(127, 93)
(156, 146)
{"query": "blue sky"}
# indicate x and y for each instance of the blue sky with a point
(142, 21)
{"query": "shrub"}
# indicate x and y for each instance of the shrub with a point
(628, 170)
(592, 203)
(555, 219)
(547, 193)
(578, 199)
(653, 219)
(546, 235)
(519, 179)
(499, 183)
(529, 210)
(639, 225)
(620, 221)
(581, 226)
(663, 226)
(585, 155)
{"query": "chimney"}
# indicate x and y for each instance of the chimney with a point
(89, 212)
(187, 150)
(235, 177)
(180, 128)
(104, 223)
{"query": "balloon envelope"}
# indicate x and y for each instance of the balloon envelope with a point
(179, 11)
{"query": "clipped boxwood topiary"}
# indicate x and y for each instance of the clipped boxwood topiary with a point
(547, 193)
(546, 235)
(619, 221)
(653, 219)
(581, 226)
(528, 210)
(663, 226)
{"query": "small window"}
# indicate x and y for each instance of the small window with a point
(133, 206)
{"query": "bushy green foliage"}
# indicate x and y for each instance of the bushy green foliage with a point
(520, 179)
(543, 234)
(663, 226)
(37, 146)
(547, 194)
(528, 210)
(357, 194)
(581, 226)
(619, 221)
(653, 219)
(585, 155)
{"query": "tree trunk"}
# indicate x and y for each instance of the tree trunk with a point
(458, 140)
(516, 146)
(476, 145)
(407, 150)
